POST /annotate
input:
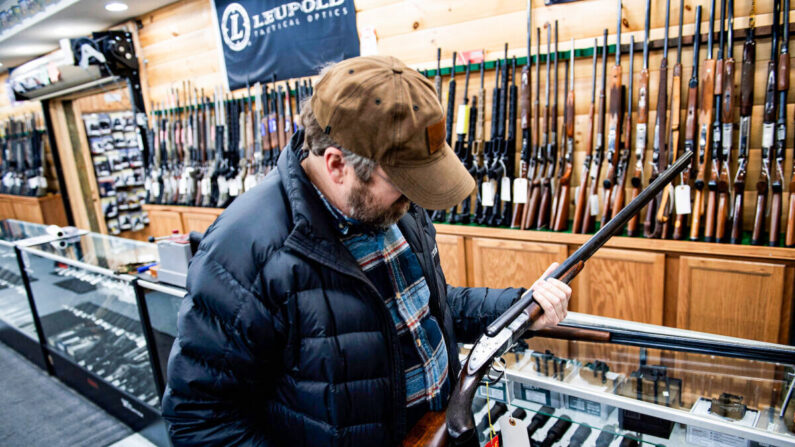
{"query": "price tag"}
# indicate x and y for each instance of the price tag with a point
(272, 125)
(183, 185)
(206, 186)
(505, 189)
(462, 124)
(223, 185)
(520, 186)
(682, 199)
(250, 182)
(593, 204)
(487, 193)
(727, 137)
(148, 184)
(767, 134)
(234, 187)
(33, 182)
(640, 137)
(156, 189)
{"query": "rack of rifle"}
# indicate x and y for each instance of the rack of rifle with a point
(23, 157)
(704, 204)
(207, 150)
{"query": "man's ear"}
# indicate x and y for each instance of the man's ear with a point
(334, 164)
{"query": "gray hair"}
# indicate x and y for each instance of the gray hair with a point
(317, 141)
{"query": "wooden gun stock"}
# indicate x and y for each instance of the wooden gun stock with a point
(562, 211)
(698, 207)
(709, 223)
(789, 240)
(545, 204)
(775, 218)
(737, 219)
(759, 215)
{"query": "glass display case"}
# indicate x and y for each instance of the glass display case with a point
(17, 323)
(92, 322)
(650, 386)
(161, 304)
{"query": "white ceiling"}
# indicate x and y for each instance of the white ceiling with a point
(39, 34)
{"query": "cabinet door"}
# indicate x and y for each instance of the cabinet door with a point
(28, 210)
(197, 221)
(452, 256)
(163, 223)
(6, 209)
(504, 263)
(625, 284)
(736, 298)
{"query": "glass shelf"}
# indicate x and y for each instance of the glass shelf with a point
(88, 313)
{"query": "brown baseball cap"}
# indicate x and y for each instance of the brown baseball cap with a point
(379, 108)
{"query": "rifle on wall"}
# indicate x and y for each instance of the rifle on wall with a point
(641, 128)
(727, 133)
(746, 106)
(489, 193)
(589, 216)
(768, 136)
(664, 211)
(461, 150)
(659, 156)
(777, 182)
(547, 188)
(537, 161)
(581, 205)
(623, 159)
(478, 149)
(561, 220)
(512, 325)
(704, 135)
(683, 209)
(709, 224)
(614, 129)
(508, 148)
(521, 185)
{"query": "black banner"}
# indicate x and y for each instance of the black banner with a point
(287, 38)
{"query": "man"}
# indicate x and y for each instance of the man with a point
(317, 312)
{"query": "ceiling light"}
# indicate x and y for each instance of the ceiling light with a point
(116, 6)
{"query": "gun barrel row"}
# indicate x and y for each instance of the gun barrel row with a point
(539, 196)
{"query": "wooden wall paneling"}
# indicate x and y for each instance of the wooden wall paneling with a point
(735, 298)
(164, 222)
(452, 256)
(622, 284)
(671, 289)
(785, 331)
(196, 220)
(6, 209)
(504, 263)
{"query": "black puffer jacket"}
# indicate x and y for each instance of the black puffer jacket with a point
(282, 338)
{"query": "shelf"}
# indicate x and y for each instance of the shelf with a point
(666, 246)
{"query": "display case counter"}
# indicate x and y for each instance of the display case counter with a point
(651, 385)
(161, 305)
(17, 322)
(92, 322)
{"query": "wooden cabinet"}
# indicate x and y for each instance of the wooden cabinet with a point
(622, 284)
(47, 210)
(164, 219)
(735, 290)
(505, 263)
(164, 222)
(196, 220)
(738, 298)
(452, 256)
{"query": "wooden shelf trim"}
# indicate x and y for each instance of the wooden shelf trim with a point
(668, 246)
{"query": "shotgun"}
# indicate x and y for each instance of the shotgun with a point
(437, 80)
(545, 206)
(704, 135)
(461, 150)
(581, 205)
(589, 216)
(641, 128)
(536, 163)
(659, 156)
(709, 222)
(441, 215)
(508, 147)
(478, 149)
(521, 185)
(746, 106)
(614, 129)
(768, 139)
(512, 326)
(623, 159)
(562, 157)
(683, 209)
(665, 208)
(727, 134)
(469, 151)
(490, 183)
(562, 213)
(777, 183)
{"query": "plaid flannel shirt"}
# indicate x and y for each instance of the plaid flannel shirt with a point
(387, 260)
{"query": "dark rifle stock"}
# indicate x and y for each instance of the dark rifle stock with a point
(513, 324)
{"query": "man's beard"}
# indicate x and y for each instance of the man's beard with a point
(361, 207)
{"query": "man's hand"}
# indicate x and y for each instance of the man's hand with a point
(553, 296)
